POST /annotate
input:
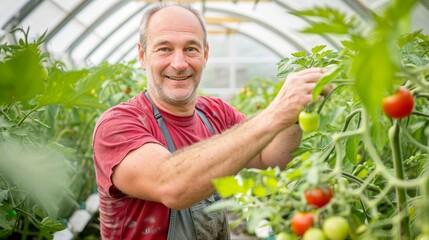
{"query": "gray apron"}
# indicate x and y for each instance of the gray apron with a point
(194, 223)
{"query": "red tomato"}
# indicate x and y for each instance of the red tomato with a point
(127, 90)
(399, 105)
(301, 222)
(318, 196)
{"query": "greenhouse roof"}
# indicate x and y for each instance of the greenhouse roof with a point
(242, 32)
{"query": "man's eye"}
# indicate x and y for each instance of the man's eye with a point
(164, 49)
(191, 49)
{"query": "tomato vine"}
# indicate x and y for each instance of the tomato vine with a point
(376, 164)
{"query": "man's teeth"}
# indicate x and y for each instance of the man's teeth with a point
(178, 78)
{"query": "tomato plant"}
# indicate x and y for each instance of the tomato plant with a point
(336, 228)
(399, 105)
(301, 222)
(309, 121)
(47, 115)
(318, 196)
(377, 163)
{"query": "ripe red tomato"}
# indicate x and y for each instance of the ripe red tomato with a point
(301, 222)
(318, 196)
(399, 105)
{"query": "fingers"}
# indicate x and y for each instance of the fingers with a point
(326, 90)
(307, 76)
(310, 70)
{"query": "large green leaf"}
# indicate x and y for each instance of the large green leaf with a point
(62, 89)
(78, 88)
(21, 76)
(373, 70)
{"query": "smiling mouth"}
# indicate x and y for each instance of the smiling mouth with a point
(178, 77)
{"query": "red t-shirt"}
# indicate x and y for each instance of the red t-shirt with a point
(128, 126)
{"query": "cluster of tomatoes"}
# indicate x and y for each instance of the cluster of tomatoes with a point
(302, 222)
(398, 105)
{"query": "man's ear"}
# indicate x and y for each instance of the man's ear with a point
(206, 52)
(141, 56)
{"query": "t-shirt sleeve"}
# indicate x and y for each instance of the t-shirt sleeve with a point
(232, 115)
(223, 114)
(117, 133)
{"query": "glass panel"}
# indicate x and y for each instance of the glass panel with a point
(9, 8)
(39, 21)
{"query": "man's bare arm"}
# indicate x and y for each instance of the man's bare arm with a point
(184, 178)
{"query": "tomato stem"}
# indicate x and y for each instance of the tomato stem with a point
(26, 115)
(425, 195)
(395, 144)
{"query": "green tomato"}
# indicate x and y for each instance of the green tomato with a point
(336, 228)
(11, 213)
(284, 236)
(314, 234)
(309, 121)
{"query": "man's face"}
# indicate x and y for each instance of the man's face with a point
(175, 56)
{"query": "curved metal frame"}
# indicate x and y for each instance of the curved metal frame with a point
(326, 37)
(115, 30)
(95, 24)
(294, 43)
(67, 19)
(273, 50)
(30, 6)
(16, 19)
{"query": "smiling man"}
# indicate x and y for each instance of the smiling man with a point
(147, 189)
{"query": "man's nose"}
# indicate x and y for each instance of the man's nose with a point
(179, 61)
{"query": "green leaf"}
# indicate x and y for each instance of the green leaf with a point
(227, 186)
(48, 226)
(259, 191)
(72, 89)
(325, 28)
(378, 134)
(299, 54)
(352, 149)
(317, 49)
(327, 78)
(224, 204)
(21, 76)
(373, 70)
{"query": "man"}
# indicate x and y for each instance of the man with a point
(147, 189)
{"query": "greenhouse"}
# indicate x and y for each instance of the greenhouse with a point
(320, 111)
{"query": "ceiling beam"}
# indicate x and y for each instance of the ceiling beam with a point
(67, 19)
(94, 25)
(111, 33)
(326, 37)
(298, 46)
(199, 1)
(17, 18)
(219, 20)
(227, 29)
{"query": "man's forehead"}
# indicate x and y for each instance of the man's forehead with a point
(176, 13)
(175, 21)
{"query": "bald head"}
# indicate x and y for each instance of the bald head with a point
(171, 12)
